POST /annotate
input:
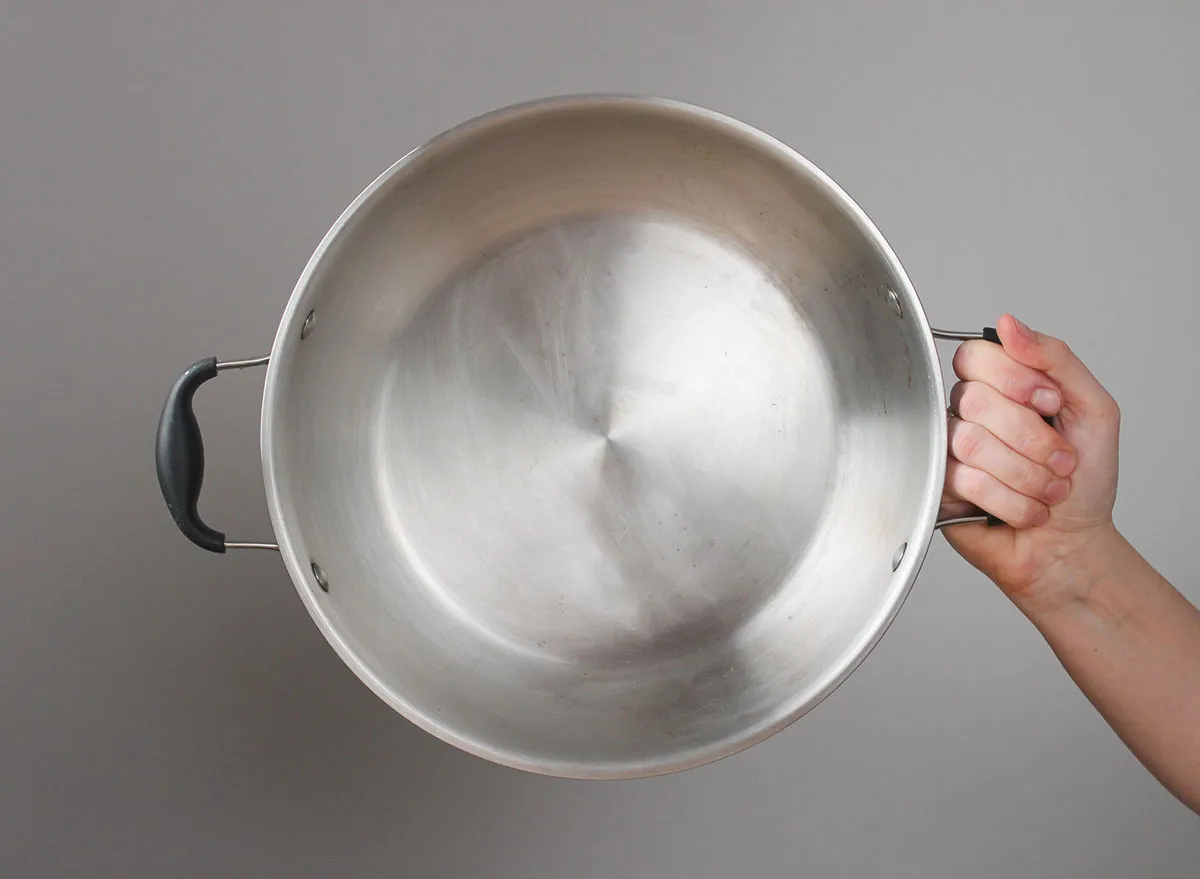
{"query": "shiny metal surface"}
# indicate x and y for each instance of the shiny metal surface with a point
(608, 438)
(250, 363)
(956, 335)
(960, 520)
(243, 364)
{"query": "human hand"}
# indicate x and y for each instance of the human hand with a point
(1054, 486)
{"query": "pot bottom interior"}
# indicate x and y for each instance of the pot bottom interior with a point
(611, 485)
(607, 442)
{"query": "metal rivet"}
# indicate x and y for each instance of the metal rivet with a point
(308, 325)
(899, 556)
(894, 298)
(320, 575)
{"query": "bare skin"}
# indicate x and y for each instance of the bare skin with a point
(1124, 634)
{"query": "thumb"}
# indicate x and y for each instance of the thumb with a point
(1082, 392)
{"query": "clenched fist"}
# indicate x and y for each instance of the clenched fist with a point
(1054, 485)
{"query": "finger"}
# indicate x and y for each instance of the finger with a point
(1017, 426)
(951, 508)
(984, 362)
(1082, 392)
(974, 445)
(964, 482)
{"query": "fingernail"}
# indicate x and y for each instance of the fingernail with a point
(1022, 329)
(1057, 491)
(1046, 401)
(1062, 462)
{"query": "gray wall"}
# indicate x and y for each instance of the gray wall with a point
(165, 171)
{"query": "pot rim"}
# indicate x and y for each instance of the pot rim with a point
(287, 337)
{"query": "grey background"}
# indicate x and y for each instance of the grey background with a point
(165, 171)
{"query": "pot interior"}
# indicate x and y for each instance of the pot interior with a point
(606, 436)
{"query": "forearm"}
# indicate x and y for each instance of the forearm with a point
(1132, 644)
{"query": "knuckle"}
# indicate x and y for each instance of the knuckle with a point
(1057, 348)
(1031, 446)
(1031, 479)
(1110, 410)
(1031, 514)
(967, 440)
(1014, 385)
(1103, 409)
(965, 359)
(1038, 441)
(961, 359)
(973, 485)
(972, 403)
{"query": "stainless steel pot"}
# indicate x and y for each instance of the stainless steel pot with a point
(602, 436)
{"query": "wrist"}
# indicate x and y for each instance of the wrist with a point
(1090, 575)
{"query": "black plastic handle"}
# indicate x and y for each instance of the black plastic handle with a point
(179, 456)
(990, 335)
